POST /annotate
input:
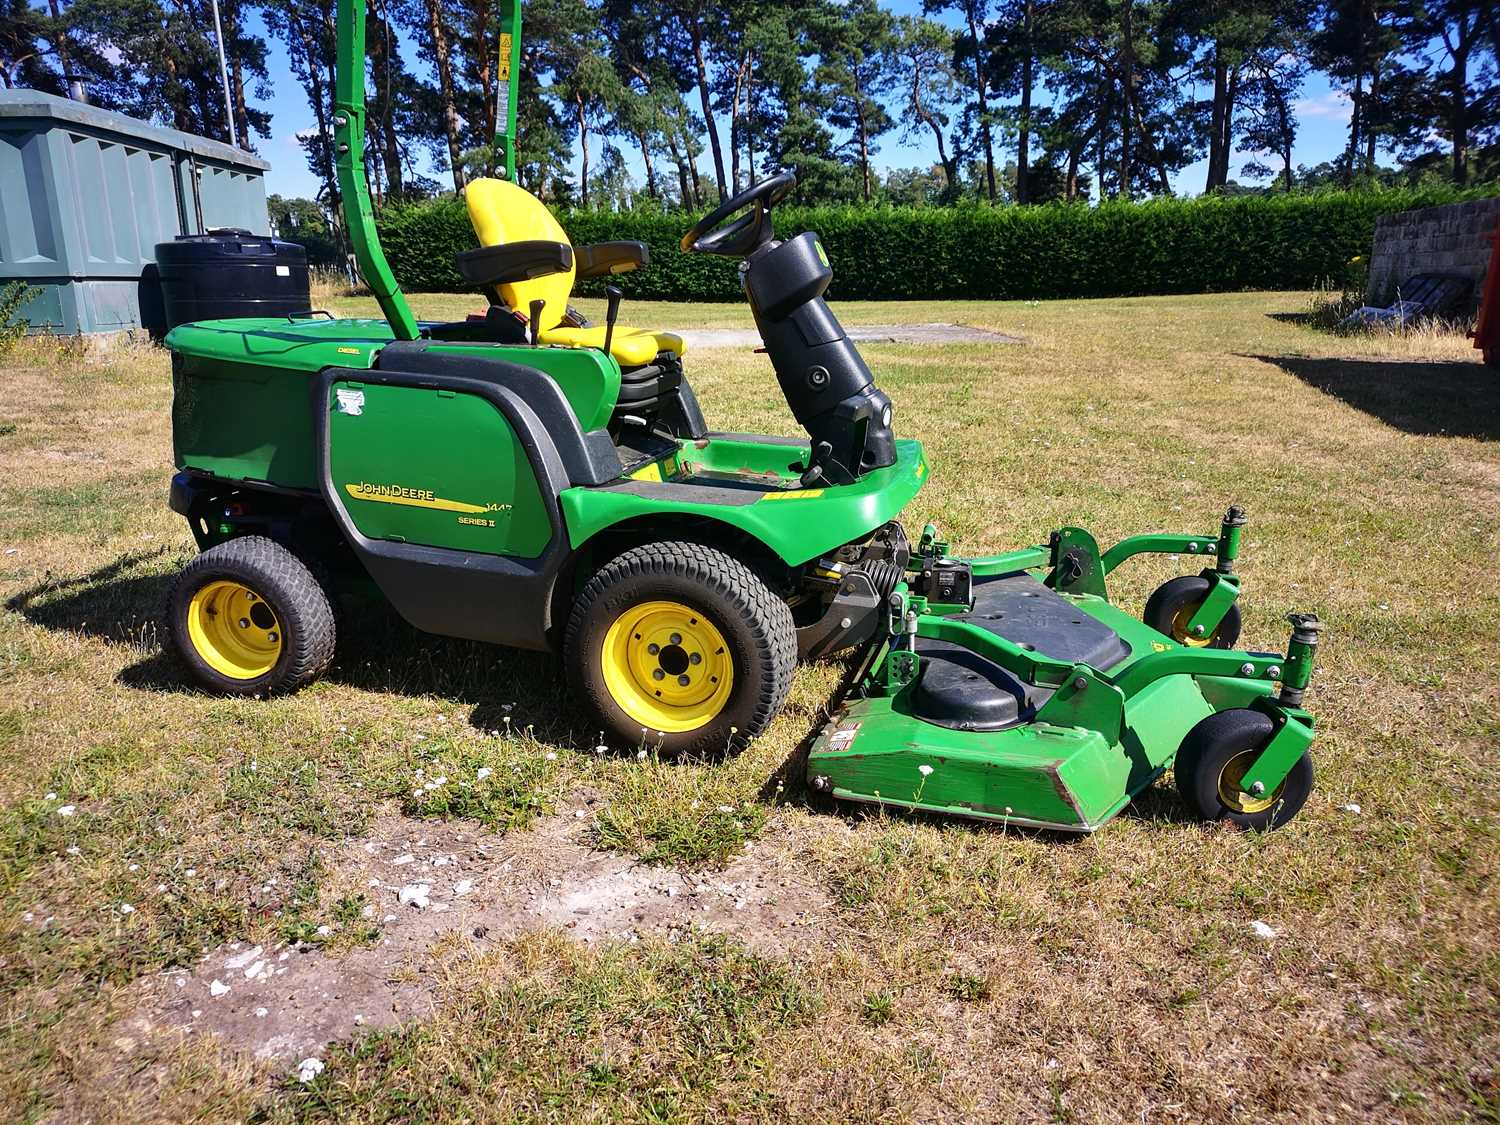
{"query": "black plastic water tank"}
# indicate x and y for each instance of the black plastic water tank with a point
(230, 273)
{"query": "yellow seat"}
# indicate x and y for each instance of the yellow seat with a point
(504, 212)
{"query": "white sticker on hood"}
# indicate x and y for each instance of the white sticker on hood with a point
(349, 402)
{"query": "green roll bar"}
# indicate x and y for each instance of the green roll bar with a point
(349, 148)
(509, 75)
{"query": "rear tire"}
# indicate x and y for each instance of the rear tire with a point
(248, 617)
(1215, 755)
(681, 646)
(1172, 605)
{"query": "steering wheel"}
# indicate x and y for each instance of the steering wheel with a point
(711, 235)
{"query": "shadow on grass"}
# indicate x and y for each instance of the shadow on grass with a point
(1451, 399)
(124, 600)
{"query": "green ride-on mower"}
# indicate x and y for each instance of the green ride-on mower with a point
(525, 478)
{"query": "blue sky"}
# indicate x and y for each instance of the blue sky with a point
(1323, 132)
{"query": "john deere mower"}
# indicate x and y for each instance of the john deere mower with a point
(526, 478)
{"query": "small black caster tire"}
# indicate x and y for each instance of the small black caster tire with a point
(247, 617)
(1214, 757)
(1172, 605)
(680, 646)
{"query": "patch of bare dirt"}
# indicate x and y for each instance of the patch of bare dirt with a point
(426, 880)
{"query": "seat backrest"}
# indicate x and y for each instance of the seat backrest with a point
(504, 212)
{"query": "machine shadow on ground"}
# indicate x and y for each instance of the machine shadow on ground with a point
(122, 603)
(1447, 399)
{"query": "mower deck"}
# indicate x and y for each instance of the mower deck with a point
(967, 737)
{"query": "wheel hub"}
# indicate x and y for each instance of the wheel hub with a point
(233, 629)
(1236, 798)
(667, 666)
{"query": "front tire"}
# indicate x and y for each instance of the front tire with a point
(681, 646)
(1214, 757)
(1171, 607)
(248, 617)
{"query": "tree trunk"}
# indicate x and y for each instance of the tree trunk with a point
(645, 142)
(1216, 119)
(984, 99)
(444, 68)
(685, 192)
(1356, 104)
(485, 36)
(1460, 113)
(736, 119)
(864, 138)
(1286, 136)
(692, 162)
(583, 148)
(241, 114)
(708, 110)
(1127, 83)
(387, 141)
(1226, 142)
(320, 104)
(1370, 133)
(749, 126)
(1023, 146)
(1075, 154)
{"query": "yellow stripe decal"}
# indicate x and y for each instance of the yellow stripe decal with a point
(794, 494)
(415, 500)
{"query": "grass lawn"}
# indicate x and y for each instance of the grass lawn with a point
(945, 971)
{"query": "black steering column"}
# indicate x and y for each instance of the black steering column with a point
(826, 383)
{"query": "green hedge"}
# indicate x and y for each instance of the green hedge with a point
(1118, 249)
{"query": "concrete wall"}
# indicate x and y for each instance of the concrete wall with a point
(85, 196)
(1447, 240)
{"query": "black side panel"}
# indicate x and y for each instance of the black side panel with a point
(587, 458)
(454, 593)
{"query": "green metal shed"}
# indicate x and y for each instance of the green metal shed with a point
(85, 196)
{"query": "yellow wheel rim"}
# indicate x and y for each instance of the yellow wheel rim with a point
(1233, 796)
(667, 666)
(1180, 623)
(233, 629)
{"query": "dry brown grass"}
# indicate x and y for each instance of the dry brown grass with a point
(985, 975)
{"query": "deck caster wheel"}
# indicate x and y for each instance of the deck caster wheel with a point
(681, 646)
(1171, 608)
(249, 618)
(1214, 757)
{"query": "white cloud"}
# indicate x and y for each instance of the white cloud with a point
(1333, 105)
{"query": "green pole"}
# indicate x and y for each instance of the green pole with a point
(349, 164)
(510, 82)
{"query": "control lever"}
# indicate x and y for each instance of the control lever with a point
(614, 295)
(536, 319)
(820, 453)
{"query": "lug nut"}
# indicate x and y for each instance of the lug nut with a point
(653, 649)
(244, 623)
(271, 637)
(695, 658)
(683, 680)
(658, 674)
(676, 638)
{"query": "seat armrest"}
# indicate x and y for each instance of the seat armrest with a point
(513, 261)
(611, 257)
